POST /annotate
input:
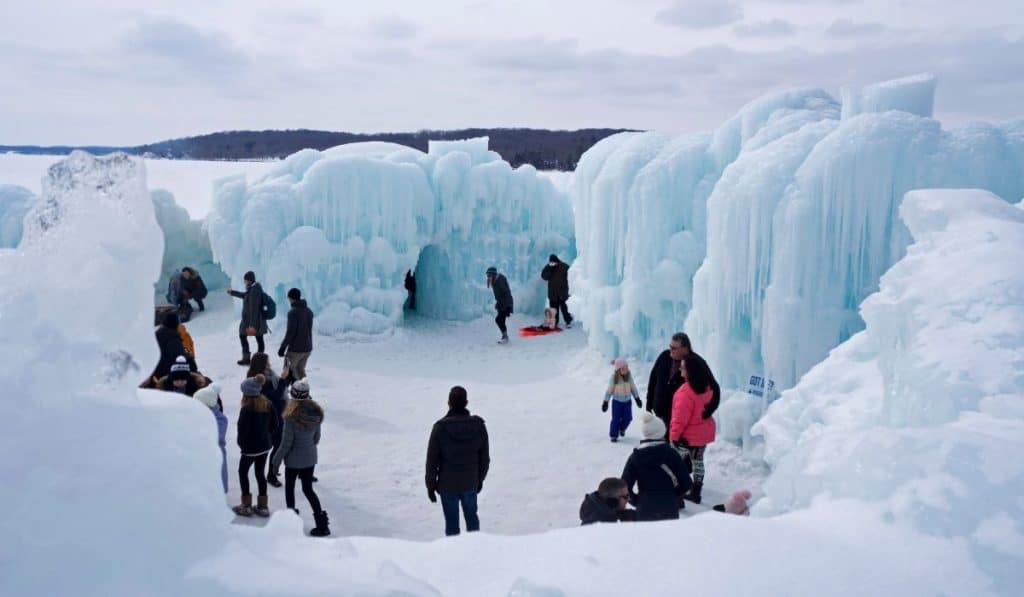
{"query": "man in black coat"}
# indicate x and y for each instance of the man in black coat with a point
(253, 322)
(298, 340)
(171, 347)
(666, 377)
(607, 504)
(193, 287)
(502, 300)
(457, 462)
(556, 273)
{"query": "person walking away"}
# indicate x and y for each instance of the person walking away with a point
(556, 273)
(193, 286)
(502, 300)
(457, 461)
(298, 339)
(302, 421)
(410, 287)
(210, 397)
(256, 424)
(690, 430)
(667, 376)
(607, 504)
(254, 321)
(659, 472)
(621, 393)
(273, 390)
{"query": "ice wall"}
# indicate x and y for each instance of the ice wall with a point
(186, 243)
(345, 225)
(15, 202)
(923, 409)
(914, 95)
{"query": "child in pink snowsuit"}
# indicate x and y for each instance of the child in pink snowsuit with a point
(621, 392)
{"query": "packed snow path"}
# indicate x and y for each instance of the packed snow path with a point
(541, 399)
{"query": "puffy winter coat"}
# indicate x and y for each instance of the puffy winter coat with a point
(252, 309)
(299, 337)
(557, 277)
(595, 509)
(661, 476)
(688, 422)
(458, 455)
(195, 286)
(255, 429)
(502, 294)
(301, 436)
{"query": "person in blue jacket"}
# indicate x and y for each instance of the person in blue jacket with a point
(210, 397)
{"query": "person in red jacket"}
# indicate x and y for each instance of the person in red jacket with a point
(689, 429)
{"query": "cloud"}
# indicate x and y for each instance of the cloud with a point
(848, 28)
(700, 14)
(393, 27)
(204, 53)
(772, 28)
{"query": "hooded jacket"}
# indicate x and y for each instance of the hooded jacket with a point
(299, 337)
(661, 476)
(595, 509)
(458, 455)
(557, 277)
(301, 436)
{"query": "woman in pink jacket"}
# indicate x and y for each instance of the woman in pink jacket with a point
(689, 430)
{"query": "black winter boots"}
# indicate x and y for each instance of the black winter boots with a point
(694, 495)
(244, 361)
(321, 529)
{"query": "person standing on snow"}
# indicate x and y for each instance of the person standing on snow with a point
(210, 397)
(661, 475)
(457, 461)
(302, 420)
(667, 375)
(410, 287)
(253, 321)
(690, 431)
(621, 392)
(298, 340)
(256, 424)
(273, 390)
(556, 273)
(502, 300)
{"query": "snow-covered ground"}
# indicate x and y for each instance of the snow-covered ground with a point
(540, 396)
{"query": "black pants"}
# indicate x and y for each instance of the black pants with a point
(276, 438)
(245, 343)
(500, 320)
(305, 475)
(559, 305)
(243, 473)
(199, 302)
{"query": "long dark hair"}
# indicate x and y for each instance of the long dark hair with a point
(697, 374)
(259, 363)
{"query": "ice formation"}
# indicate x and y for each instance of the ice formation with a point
(345, 225)
(923, 410)
(784, 220)
(186, 243)
(15, 202)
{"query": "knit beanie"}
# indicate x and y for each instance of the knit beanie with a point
(251, 387)
(208, 395)
(492, 271)
(553, 258)
(180, 369)
(653, 427)
(620, 364)
(737, 503)
(300, 389)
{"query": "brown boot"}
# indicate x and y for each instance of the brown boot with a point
(245, 508)
(261, 506)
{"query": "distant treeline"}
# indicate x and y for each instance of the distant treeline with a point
(544, 149)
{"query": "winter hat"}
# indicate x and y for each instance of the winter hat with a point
(553, 258)
(653, 427)
(300, 389)
(737, 503)
(180, 369)
(208, 395)
(251, 387)
(171, 320)
(295, 294)
(620, 364)
(492, 271)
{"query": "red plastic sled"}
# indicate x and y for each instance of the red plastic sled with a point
(534, 330)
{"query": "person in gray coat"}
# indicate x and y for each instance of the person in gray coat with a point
(502, 300)
(253, 321)
(302, 420)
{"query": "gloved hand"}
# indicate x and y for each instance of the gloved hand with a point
(280, 353)
(638, 403)
(604, 407)
(432, 495)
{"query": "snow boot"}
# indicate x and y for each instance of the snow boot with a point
(261, 506)
(245, 508)
(718, 508)
(615, 439)
(245, 360)
(694, 495)
(622, 433)
(273, 481)
(321, 529)
(504, 339)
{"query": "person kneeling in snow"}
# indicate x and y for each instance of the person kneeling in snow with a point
(182, 379)
(621, 392)
(607, 504)
(256, 424)
(302, 419)
(660, 473)
(210, 396)
(548, 325)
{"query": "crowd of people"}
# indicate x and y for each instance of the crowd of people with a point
(280, 423)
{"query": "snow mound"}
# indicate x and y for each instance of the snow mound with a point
(186, 243)
(914, 95)
(345, 225)
(15, 202)
(922, 410)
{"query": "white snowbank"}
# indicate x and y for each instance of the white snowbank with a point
(15, 202)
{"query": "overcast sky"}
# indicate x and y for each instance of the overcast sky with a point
(122, 72)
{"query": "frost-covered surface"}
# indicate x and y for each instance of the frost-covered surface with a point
(186, 243)
(347, 223)
(922, 413)
(15, 202)
(765, 237)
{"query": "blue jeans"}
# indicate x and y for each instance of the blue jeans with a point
(450, 505)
